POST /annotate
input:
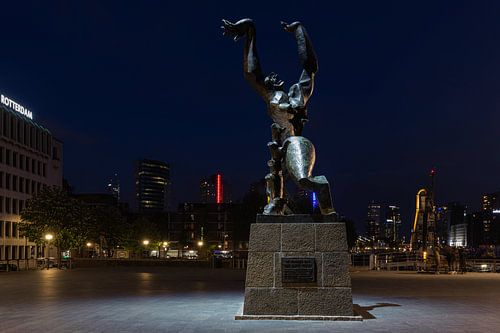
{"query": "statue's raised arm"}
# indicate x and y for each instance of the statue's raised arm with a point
(302, 90)
(251, 62)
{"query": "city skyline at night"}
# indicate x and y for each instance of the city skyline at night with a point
(401, 88)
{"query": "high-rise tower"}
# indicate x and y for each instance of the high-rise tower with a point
(152, 186)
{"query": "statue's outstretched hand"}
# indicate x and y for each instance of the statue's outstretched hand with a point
(290, 27)
(236, 30)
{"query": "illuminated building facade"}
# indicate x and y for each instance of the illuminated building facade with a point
(374, 221)
(152, 186)
(30, 158)
(392, 226)
(212, 224)
(490, 213)
(453, 221)
(212, 189)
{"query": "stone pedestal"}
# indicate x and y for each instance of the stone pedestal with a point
(298, 268)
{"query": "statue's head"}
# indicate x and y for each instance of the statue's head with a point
(273, 82)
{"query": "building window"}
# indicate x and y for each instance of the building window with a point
(7, 229)
(14, 159)
(14, 230)
(2, 225)
(7, 205)
(7, 181)
(14, 183)
(8, 153)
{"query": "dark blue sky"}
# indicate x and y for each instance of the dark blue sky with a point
(402, 86)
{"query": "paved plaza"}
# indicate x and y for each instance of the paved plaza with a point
(174, 299)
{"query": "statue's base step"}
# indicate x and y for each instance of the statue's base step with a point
(241, 316)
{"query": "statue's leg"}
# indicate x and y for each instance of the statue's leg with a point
(274, 180)
(300, 156)
(321, 187)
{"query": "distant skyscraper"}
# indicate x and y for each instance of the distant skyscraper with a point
(392, 224)
(452, 220)
(373, 221)
(212, 189)
(490, 212)
(113, 187)
(152, 186)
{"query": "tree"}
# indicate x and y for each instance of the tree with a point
(53, 211)
(107, 226)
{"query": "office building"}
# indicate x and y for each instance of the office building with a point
(212, 189)
(373, 221)
(392, 226)
(453, 223)
(30, 158)
(152, 186)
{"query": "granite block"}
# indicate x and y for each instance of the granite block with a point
(265, 237)
(270, 301)
(297, 237)
(336, 269)
(260, 269)
(325, 301)
(330, 237)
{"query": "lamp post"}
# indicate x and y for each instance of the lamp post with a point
(48, 238)
(146, 243)
(200, 245)
(165, 249)
(89, 245)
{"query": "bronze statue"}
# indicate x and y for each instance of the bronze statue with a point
(292, 155)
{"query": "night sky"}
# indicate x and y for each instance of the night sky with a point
(402, 87)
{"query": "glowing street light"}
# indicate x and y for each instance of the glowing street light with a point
(48, 238)
(145, 242)
(89, 244)
(200, 243)
(165, 244)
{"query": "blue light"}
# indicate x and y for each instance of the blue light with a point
(314, 200)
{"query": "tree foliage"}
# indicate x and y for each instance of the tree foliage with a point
(53, 211)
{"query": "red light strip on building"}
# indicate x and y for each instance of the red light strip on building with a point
(219, 189)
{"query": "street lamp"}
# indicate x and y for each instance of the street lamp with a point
(200, 243)
(145, 242)
(89, 244)
(48, 238)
